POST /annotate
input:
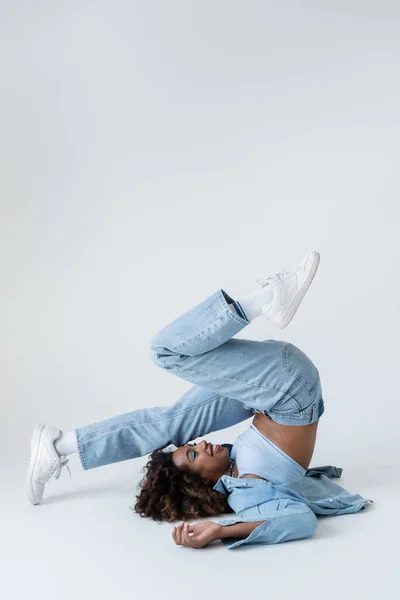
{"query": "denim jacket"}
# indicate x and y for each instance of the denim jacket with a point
(288, 510)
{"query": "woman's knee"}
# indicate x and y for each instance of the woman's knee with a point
(162, 357)
(155, 355)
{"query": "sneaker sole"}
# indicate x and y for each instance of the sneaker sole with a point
(295, 303)
(35, 444)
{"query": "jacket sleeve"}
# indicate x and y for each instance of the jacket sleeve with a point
(285, 520)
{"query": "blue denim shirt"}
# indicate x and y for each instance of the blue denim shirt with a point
(288, 510)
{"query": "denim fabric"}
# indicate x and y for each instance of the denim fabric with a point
(234, 378)
(289, 510)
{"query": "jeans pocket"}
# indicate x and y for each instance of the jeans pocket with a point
(288, 404)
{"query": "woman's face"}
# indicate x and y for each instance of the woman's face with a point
(207, 460)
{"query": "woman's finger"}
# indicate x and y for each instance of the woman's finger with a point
(179, 533)
(185, 535)
(193, 540)
(175, 535)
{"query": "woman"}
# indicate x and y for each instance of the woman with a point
(264, 476)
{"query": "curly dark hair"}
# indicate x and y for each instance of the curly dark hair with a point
(171, 494)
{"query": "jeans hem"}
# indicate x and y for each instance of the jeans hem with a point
(80, 450)
(224, 297)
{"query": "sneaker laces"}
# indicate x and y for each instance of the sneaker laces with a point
(62, 463)
(283, 273)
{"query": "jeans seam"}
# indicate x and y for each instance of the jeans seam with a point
(294, 417)
(113, 428)
(303, 382)
(174, 348)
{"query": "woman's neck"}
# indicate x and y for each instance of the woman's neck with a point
(235, 472)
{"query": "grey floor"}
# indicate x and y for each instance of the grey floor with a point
(84, 542)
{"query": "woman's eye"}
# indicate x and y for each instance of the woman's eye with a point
(193, 453)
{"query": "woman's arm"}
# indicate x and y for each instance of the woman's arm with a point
(287, 520)
(272, 522)
(240, 530)
(203, 533)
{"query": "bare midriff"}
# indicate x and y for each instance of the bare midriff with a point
(297, 441)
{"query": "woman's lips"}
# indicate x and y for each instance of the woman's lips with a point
(214, 448)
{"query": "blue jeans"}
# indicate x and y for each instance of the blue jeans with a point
(234, 378)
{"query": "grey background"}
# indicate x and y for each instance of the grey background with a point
(152, 152)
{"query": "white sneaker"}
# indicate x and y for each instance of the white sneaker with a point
(289, 288)
(45, 462)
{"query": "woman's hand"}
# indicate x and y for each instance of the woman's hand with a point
(204, 533)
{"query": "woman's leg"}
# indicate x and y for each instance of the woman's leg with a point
(228, 373)
(129, 435)
(138, 433)
(268, 376)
